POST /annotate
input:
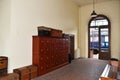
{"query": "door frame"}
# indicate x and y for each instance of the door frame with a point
(104, 26)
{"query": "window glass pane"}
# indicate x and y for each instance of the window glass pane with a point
(104, 31)
(99, 22)
(92, 23)
(105, 22)
(104, 40)
(94, 39)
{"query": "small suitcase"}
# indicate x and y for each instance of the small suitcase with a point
(56, 33)
(44, 31)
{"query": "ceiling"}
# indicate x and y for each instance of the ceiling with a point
(86, 2)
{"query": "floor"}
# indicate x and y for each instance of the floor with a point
(79, 69)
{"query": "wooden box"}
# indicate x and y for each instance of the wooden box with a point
(24, 73)
(10, 76)
(3, 65)
(27, 72)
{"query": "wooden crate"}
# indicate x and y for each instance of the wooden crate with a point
(10, 76)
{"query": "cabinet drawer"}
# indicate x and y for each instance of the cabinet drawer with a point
(3, 64)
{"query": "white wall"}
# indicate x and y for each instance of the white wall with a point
(110, 9)
(119, 29)
(26, 16)
(4, 24)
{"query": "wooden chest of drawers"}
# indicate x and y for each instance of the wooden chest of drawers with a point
(3, 65)
(49, 53)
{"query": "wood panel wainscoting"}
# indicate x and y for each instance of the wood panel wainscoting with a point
(49, 53)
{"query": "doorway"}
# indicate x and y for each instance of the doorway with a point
(99, 38)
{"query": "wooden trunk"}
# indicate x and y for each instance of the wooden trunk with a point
(24, 73)
(27, 72)
(33, 71)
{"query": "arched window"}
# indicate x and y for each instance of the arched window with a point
(99, 37)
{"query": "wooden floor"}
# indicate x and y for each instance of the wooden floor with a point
(79, 69)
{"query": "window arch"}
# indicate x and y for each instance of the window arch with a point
(99, 21)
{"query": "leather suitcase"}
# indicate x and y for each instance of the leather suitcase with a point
(44, 31)
(56, 33)
(24, 73)
(10, 76)
(44, 28)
